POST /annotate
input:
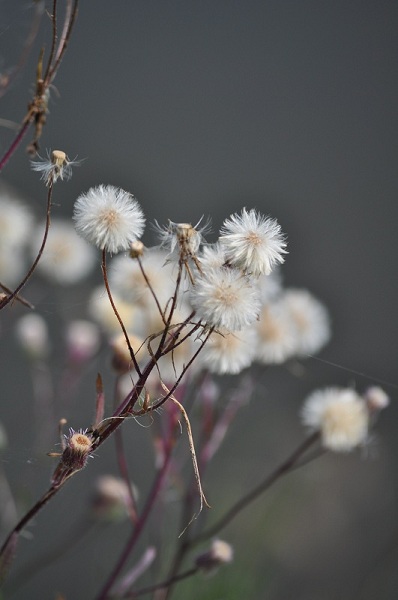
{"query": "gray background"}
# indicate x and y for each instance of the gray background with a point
(200, 108)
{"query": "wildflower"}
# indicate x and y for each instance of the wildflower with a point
(58, 166)
(82, 340)
(111, 500)
(212, 257)
(228, 352)
(100, 309)
(310, 320)
(276, 339)
(15, 221)
(376, 399)
(121, 360)
(66, 259)
(12, 264)
(340, 415)
(220, 553)
(252, 242)
(128, 281)
(225, 298)
(109, 218)
(32, 333)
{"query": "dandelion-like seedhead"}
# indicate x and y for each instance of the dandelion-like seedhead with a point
(229, 352)
(56, 166)
(109, 218)
(225, 298)
(252, 242)
(67, 258)
(340, 415)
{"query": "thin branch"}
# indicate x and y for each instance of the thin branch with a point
(117, 315)
(15, 293)
(283, 468)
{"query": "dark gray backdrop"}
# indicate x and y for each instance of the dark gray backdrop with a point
(287, 106)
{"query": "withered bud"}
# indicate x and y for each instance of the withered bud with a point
(220, 553)
(121, 359)
(111, 498)
(77, 450)
(136, 249)
(376, 399)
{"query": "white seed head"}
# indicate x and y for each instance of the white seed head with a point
(340, 415)
(225, 298)
(67, 258)
(228, 352)
(252, 242)
(109, 218)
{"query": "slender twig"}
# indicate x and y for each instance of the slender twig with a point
(124, 471)
(15, 293)
(151, 290)
(53, 18)
(117, 315)
(159, 586)
(283, 468)
(151, 498)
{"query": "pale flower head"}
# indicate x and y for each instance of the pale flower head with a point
(100, 309)
(228, 352)
(12, 264)
(212, 257)
(276, 339)
(127, 280)
(31, 331)
(310, 319)
(252, 242)
(66, 259)
(109, 218)
(225, 298)
(82, 340)
(340, 415)
(16, 220)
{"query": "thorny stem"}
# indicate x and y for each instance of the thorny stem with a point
(152, 496)
(126, 336)
(14, 294)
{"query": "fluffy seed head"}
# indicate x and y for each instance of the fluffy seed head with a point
(340, 415)
(225, 298)
(252, 242)
(109, 218)
(228, 352)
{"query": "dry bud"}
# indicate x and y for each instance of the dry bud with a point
(220, 553)
(136, 249)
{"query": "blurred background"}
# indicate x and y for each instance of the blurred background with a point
(201, 108)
